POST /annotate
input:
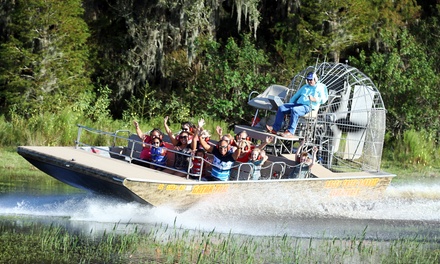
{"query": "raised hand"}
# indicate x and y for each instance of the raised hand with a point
(201, 122)
(219, 130)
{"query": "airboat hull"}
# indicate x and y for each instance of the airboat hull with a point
(103, 174)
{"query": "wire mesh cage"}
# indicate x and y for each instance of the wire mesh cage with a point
(349, 128)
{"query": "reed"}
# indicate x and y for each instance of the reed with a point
(33, 243)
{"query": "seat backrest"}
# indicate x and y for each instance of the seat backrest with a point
(170, 154)
(262, 101)
(137, 146)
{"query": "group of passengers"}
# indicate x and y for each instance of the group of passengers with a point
(193, 142)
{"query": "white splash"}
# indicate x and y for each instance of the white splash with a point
(249, 215)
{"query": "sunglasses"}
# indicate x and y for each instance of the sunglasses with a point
(223, 147)
(183, 137)
(309, 80)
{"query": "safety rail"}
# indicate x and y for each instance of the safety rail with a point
(130, 148)
(267, 172)
(274, 170)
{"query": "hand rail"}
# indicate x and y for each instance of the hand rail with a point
(279, 168)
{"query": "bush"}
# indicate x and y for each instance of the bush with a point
(414, 148)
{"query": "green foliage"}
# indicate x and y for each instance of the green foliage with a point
(51, 129)
(99, 109)
(426, 32)
(416, 149)
(44, 60)
(292, 56)
(330, 27)
(153, 105)
(32, 243)
(390, 17)
(145, 105)
(59, 128)
(224, 77)
(406, 79)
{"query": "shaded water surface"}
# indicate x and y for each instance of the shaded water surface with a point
(406, 211)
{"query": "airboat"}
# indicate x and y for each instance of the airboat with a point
(348, 130)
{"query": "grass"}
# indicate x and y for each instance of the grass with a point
(32, 243)
(409, 173)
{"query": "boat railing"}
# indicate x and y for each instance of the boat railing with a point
(249, 172)
(120, 131)
(128, 152)
(269, 171)
(171, 157)
(131, 149)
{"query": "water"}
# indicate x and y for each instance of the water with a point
(406, 211)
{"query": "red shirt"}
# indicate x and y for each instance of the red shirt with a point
(244, 157)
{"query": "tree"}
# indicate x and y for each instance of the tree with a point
(44, 59)
(408, 83)
(147, 31)
(219, 81)
(389, 18)
(330, 27)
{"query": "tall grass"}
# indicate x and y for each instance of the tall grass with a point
(60, 129)
(33, 243)
(415, 150)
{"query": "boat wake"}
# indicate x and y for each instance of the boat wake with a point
(405, 209)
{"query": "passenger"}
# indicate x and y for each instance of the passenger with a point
(308, 98)
(158, 153)
(227, 137)
(223, 159)
(304, 163)
(257, 158)
(181, 162)
(186, 127)
(230, 139)
(204, 134)
(147, 139)
(246, 151)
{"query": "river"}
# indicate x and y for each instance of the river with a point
(407, 210)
